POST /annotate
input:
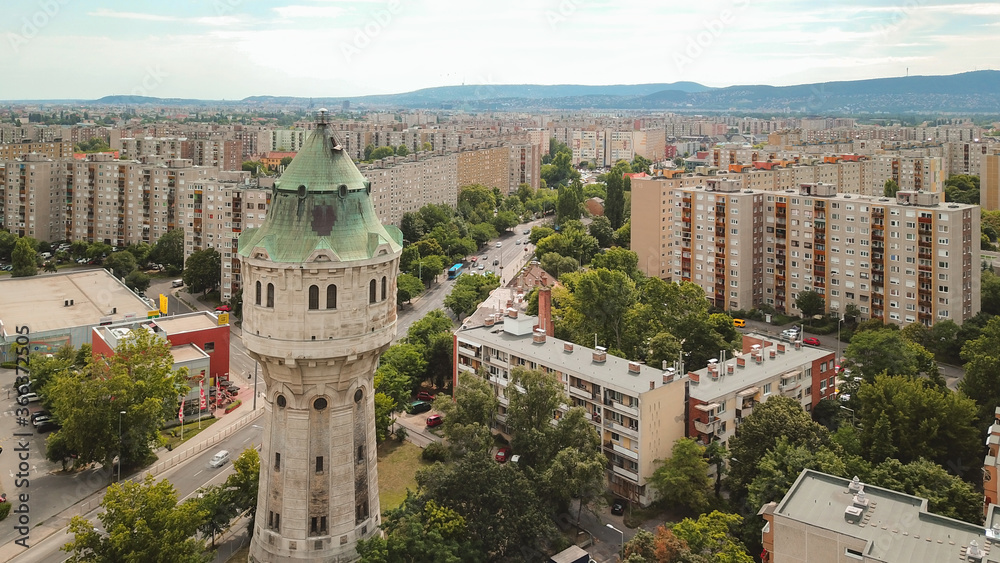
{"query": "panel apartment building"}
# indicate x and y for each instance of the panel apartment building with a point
(903, 260)
(637, 410)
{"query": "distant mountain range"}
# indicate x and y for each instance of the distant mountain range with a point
(969, 92)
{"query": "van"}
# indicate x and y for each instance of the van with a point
(177, 283)
(219, 459)
(740, 323)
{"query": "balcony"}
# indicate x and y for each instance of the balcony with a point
(581, 393)
(618, 428)
(744, 411)
(631, 411)
(621, 471)
(707, 427)
(621, 450)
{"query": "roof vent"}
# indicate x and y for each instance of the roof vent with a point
(973, 553)
(852, 514)
(861, 500)
(600, 354)
(856, 485)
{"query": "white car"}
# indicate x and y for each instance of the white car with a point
(219, 459)
(499, 244)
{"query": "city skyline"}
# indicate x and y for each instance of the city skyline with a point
(231, 49)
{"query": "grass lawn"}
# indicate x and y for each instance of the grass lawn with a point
(190, 431)
(397, 469)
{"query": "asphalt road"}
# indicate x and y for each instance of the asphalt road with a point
(187, 478)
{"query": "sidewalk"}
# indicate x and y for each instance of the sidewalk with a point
(227, 425)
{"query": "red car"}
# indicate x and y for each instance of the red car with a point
(223, 308)
(810, 341)
(425, 396)
(503, 454)
(434, 420)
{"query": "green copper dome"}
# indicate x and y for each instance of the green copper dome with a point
(321, 202)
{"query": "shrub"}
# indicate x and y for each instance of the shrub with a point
(435, 451)
(234, 406)
(401, 434)
(4, 510)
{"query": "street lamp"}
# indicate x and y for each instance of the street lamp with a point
(121, 445)
(623, 540)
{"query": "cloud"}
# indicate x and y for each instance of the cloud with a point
(294, 12)
(217, 21)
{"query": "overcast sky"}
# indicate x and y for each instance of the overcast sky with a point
(230, 49)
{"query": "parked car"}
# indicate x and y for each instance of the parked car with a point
(47, 425)
(28, 398)
(811, 341)
(417, 407)
(496, 262)
(618, 507)
(518, 241)
(503, 454)
(739, 323)
(499, 244)
(219, 459)
(526, 232)
(425, 396)
(223, 308)
(41, 413)
(434, 420)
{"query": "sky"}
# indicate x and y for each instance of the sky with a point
(231, 49)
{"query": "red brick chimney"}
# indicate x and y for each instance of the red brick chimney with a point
(545, 310)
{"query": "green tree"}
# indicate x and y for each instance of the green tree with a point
(533, 396)
(713, 535)
(781, 466)
(605, 297)
(924, 422)
(468, 292)
(614, 205)
(8, 241)
(890, 188)
(137, 281)
(421, 531)
(422, 332)
(381, 152)
(407, 287)
(24, 259)
(640, 164)
(981, 383)
(600, 229)
(539, 233)
(137, 379)
(430, 268)
(623, 236)
(203, 271)
(120, 264)
(141, 251)
(962, 188)
(482, 233)
(569, 202)
(468, 418)
(810, 303)
(682, 479)
(413, 226)
(885, 350)
(407, 359)
(142, 522)
(557, 264)
(620, 259)
(169, 251)
(243, 483)
(946, 494)
(402, 150)
(215, 503)
(369, 149)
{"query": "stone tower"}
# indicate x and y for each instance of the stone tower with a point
(319, 307)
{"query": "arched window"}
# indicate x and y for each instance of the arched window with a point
(270, 295)
(257, 301)
(331, 296)
(371, 292)
(384, 286)
(313, 297)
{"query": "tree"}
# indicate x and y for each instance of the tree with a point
(402, 150)
(810, 303)
(890, 188)
(369, 149)
(430, 268)
(640, 164)
(420, 530)
(614, 205)
(946, 494)
(982, 371)
(214, 502)
(120, 264)
(142, 522)
(468, 292)
(468, 418)
(759, 433)
(8, 241)
(137, 281)
(883, 350)
(380, 153)
(24, 259)
(605, 298)
(620, 259)
(203, 271)
(962, 188)
(557, 264)
(169, 250)
(407, 359)
(141, 251)
(600, 229)
(781, 466)
(713, 535)
(569, 202)
(921, 421)
(407, 287)
(482, 233)
(623, 236)
(137, 379)
(682, 479)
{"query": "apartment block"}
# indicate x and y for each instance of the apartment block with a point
(489, 167)
(903, 260)
(828, 519)
(525, 165)
(989, 183)
(405, 184)
(724, 393)
(49, 149)
(636, 409)
(34, 197)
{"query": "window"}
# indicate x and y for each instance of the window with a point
(257, 300)
(274, 520)
(277, 461)
(313, 297)
(767, 389)
(319, 464)
(270, 295)
(209, 347)
(371, 291)
(384, 287)
(361, 454)
(331, 296)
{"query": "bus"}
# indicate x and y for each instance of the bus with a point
(454, 271)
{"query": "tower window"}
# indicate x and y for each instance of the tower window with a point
(257, 301)
(371, 292)
(361, 454)
(384, 287)
(319, 464)
(313, 297)
(270, 295)
(277, 461)
(331, 296)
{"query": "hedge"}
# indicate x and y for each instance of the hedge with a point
(234, 406)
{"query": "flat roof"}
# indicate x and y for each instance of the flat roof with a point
(187, 322)
(39, 301)
(896, 525)
(187, 353)
(613, 372)
(728, 384)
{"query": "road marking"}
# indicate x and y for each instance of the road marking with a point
(198, 473)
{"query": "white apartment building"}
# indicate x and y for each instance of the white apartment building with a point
(638, 410)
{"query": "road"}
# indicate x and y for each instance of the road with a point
(187, 478)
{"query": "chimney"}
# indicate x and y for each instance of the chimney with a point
(668, 375)
(600, 354)
(741, 362)
(633, 367)
(781, 348)
(545, 310)
(730, 369)
(694, 377)
(512, 313)
(538, 336)
(652, 385)
(568, 347)
(772, 353)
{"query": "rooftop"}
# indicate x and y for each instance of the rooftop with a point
(186, 323)
(727, 384)
(187, 353)
(896, 525)
(614, 372)
(40, 301)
